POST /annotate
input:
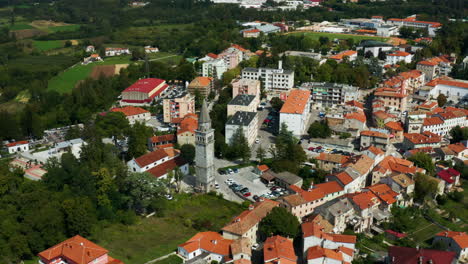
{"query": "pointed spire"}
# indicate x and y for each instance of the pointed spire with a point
(204, 114)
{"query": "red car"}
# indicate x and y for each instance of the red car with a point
(311, 149)
(319, 147)
(247, 194)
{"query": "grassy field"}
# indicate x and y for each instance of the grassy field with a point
(154, 237)
(65, 81)
(331, 36)
(170, 260)
(48, 44)
(21, 26)
(166, 57)
(64, 28)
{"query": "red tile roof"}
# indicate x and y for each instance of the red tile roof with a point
(370, 133)
(457, 147)
(328, 187)
(344, 177)
(383, 115)
(375, 150)
(144, 85)
(163, 138)
(201, 81)
(151, 157)
(399, 53)
(77, 249)
(252, 31)
(448, 175)
(461, 238)
(361, 117)
(263, 167)
(405, 255)
(428, 105)
(17, 143)
(209, 241)
(296, 102)
(313, 229)
(355, 103)
(384, 192)
(188, 123)
(212, 55)
(334, 158)
(396, 126)
(279, 248)
(425, 138)
(167, 166)
(433, 121)
(440, 81)
(317, 252)
(130, 110)
(363, 200)
(341, 55)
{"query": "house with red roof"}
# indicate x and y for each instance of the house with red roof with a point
(425, 139)
(162, 141)
(412, 21)
(251, 33)
(374, 138)
(76, 250)
(459, 149)
(350, 54)
(320, 246)
(211, 246)
(451, 178)
(396, 131)
(133, 114)
(406, 255)
(374, 153)
(454, 241)
(436, 66)
(398, 56)
(390, 166)
(331, 162)
(186, 130)
(392, 98)
(177, 107)
(295, 112)
(440, 121)
(366, 211)
(143, 92)
(278, 249)
(159, 163)
(387, 197)
(17, 146)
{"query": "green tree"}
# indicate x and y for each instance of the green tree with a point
(425, 186)
(261, 154)
(138, 140)
(239, 146)
(114, 125)
(459, 134)
(441, 100)
(276, 103)
(188, 152)
(424, 161)
(319, 129)
(140, 189)
(79, 216)
(279, 222)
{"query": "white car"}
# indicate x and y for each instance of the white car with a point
(255, 246)
(230, 171)
(257, 141)
(216, 186)
(229, 181)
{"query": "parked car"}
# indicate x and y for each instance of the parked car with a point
(221, 172)
(273, 188)
(255, 246)
(236, 170)
(245, 189)
(311, 149)
(256, 198)
(247, 194)
(216, 186)
(230, 171)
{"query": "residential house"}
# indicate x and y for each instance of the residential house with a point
(133, 114)
(214, 68)
(455, 242)
(109, 52)
(419, 255)
(211, 246)
(381, 117)
(338, 213)
(441, 121)
(331, 162)
(247, 122)
(246, 224)
(374, 138)
(295, 112)
(349, 54)
(149, 49)
(411, 81)
(392, 98)
(246, 86)
(387, 196)
(459, 149)
(390, 166)
(162, 141)
(303, 203)
(178, 106)
(435, 67)
(159, 163)
(17, 146)
(451, 178)
(366, 206)
(242, 103)
(396, 131)
(77, 250)
(251, 33)
(330, 94)
(398, 56)
(374, 153)
(285, 179)
(273, 80)
(72, 146)
(278, 249)
(320, 255)
(186, 130)
(143, 92)
(425, 139)
(241, 251)
(403, 185)
(90, 49)
(203, 85)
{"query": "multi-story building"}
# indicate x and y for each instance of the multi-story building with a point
(314, 235)
(244, 103)
(277, 80)
(214, 68)
(374, 138)
(204, 85)
(116, 51)
(246, 86)
(435, 67)
(425, 139)
(212, 244)
(411, 81)
(178, 106)
(443, 120)
(133, 114)
(76, 250)
(414, 121)
(454, 90)
(247, 122)
(331, 162)
(411, 21)
(296, 111)
(246, 224)
(393, 98)
(398, 56)
(186, 130)
(232, 56)
(454, 241)
(330, 94)
(18, 146)
(143, 92)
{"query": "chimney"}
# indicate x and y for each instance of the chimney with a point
(214, 242)
(280, 65)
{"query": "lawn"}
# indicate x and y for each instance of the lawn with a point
(21, 26)
(48, 44)
(65, 81)
(64, 28)
(154, 237)
(331, 36)
(169, 58)
(170, 260)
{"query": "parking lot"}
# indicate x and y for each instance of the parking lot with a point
(246, 178)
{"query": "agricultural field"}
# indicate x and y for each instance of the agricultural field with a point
(154, 237)
(64, 28)
(65, 81)
(20, 26)
(45, 45)
(331, 36)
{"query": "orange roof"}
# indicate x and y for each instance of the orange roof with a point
(384, 192)
(363, 164)
(212, 55)
(411, 74)
(355, 103)
(249, 218)
(399, 53)
(389, 92)
(17, 143)
(328, 187)
(344, 177)
(279, 248)
(370, 133)
(383, 115)
(296, 102)
(369, 31)
(457, 147)
(130, 110)
(461, 238)
(77, 249)
(316, 252)
(425, 138)
(95, 55)
(363, 199)
(392, 125)
(428, 105)
(335, 158)
(252, 31)
(361, 117)
(163, 138)
(201, 81)
(239, 47)
(188, 123)
(151, 157)
(263, 167)
(167, 166)
(242, 261)
(209, 241)
(376, 150)
(313, 229)
(432, 121)
(434, 61)
(341, 55)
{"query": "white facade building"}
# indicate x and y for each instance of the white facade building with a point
(278, 80)
(296, 111)
(214, 68)
(247, 121)
(19, 146)
(397, 56)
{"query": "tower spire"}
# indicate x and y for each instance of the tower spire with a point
(204, 114)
